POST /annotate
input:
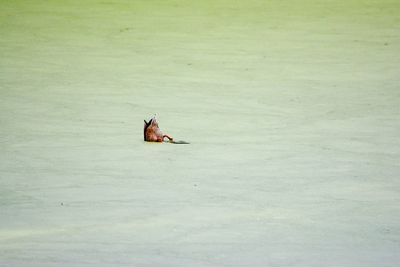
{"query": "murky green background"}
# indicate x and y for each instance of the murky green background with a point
(292, 109)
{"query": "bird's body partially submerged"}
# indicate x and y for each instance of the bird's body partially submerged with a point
(152, 132)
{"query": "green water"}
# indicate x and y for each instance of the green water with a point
(291, 109)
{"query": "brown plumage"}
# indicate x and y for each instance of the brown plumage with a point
(152, 132)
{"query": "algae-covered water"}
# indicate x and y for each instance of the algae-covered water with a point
(291, 108)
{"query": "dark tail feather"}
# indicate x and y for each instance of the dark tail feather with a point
(146, 125)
